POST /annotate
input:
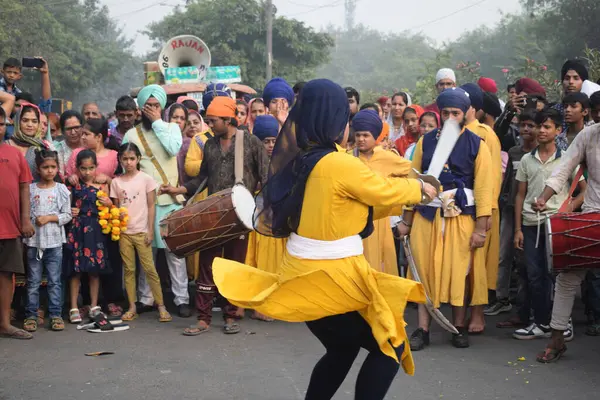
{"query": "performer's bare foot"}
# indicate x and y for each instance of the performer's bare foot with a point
(477, 323)
(196, 330)
(261, 317)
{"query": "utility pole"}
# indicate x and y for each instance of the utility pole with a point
(350, 9)
(269, 14)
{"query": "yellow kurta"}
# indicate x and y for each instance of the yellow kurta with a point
(380, 250)
(492, 244)
(338, 192)
(441, 247)
(265, 252)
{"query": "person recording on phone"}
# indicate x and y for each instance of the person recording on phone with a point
(12, 72)
(530, 95)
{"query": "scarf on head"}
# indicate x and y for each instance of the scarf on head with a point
(250, 119)
(403, 143)
(22, 139)
(315, 123)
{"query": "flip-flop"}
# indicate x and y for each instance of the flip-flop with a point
(129, 316)
(231, 329)
(197, 330)
(551, 355)
(115, 328)
(18, 334)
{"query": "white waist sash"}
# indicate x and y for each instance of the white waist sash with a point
(312, 249)
(438, 203)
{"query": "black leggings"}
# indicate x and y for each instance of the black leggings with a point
(343, 336)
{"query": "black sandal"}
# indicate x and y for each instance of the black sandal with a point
(101, 321)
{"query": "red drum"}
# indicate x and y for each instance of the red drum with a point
(573, 241)
(211, 222)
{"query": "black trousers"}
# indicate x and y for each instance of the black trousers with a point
(343, 336)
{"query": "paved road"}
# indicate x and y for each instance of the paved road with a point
(273, 362)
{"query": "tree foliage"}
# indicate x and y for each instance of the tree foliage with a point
(235, 32)
(83, 46)
(368, 59)
(570, 25)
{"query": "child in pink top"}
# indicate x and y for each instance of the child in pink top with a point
(136, 191)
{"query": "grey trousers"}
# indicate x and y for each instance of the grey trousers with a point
(565, 289)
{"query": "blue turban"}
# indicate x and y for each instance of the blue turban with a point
(369, 121)
(155, 91)
(278, 88)
(214, 90)
(475, 95)
(454, 97)
(265, 126)
(317, 120)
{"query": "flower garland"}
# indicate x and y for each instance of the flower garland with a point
(112, 220)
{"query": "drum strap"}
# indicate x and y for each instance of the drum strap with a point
(179, 198)
(238, 163)
(150, 155)
(569, 198)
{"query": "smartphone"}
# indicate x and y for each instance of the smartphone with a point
(32, 62)
(531, 103)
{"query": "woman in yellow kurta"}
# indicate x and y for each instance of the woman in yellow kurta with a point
(448, 248)
(379, 247)
(322, 198)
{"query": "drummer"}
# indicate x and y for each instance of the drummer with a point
(529, 225)
(218, 171)
(584, 149)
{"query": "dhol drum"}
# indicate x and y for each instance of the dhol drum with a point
(221, 217)
(573, 241)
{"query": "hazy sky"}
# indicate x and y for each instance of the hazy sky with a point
(441, 20)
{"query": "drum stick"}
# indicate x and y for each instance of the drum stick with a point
(537, 237)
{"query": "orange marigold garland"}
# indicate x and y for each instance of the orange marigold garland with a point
(112, 220)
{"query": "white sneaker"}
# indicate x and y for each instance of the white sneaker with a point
(569, 334)
(533, 331)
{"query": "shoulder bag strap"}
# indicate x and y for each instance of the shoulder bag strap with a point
(150, 155)
(238, 167)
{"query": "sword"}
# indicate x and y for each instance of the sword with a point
(435, 313)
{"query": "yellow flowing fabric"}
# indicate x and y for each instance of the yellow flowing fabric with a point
(441, 247)
(379, 247)
(338, 192)
(492, 244)
(265, 252)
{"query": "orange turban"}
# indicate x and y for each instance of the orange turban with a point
(222, 106)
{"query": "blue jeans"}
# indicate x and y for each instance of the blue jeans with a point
(51, 261)
(538, 294)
